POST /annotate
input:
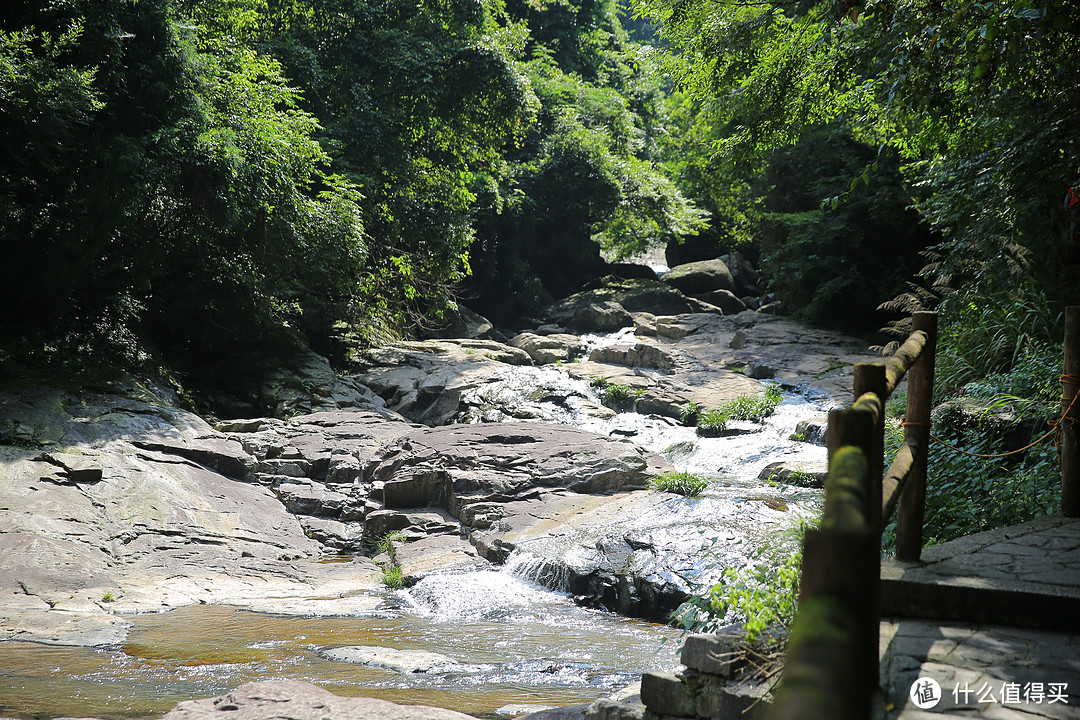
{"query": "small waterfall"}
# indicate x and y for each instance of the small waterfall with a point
(478, 595)
(545, 572)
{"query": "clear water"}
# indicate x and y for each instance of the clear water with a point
(528, 648)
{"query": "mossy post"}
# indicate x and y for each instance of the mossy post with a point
(909, 515)
(1070, 432)
(870, 378)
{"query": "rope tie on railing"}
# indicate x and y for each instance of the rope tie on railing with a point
(1055, 428)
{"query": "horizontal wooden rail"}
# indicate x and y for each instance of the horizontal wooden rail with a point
(892, 485)
(902, 360)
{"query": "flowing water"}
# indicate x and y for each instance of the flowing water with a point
(519, 641)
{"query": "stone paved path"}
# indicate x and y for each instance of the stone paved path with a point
(993, 618)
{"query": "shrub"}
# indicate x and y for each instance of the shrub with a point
(392, 577)
(966, 494)
(616, 393)
(754, 408)
(764, 594)
(681, 483)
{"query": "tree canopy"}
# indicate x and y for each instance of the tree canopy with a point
(190, 176)
(977, 100)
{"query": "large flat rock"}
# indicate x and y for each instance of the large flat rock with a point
(457, 465)
(130, 504)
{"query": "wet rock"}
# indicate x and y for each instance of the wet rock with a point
(667, 394)
(402, 661)
(808, 475)
(781, 349)
(703, 276)
(492, 350)
(580, 544)
(811, 430)
(297, 700)
(544, 349)
(436, 554)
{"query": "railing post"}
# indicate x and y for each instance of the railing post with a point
(870, 377)
(909, 514)
(844, 563)
(1070, 433)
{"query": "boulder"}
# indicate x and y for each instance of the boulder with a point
(723, 299)
(700, 277)
(637, 354)
(744, 274)
(298, 700)
(603, 316)
(811, 430)
(544, 349)
(461, 322)
(634, 295)
(631, 271)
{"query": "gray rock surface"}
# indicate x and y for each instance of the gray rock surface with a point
(425, 381)
(297, 700)
(809, 475)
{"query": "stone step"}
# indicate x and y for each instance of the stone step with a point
(1025, 576)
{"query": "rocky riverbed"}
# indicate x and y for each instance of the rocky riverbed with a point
(467, 453)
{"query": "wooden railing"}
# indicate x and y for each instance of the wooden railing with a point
(831, 670)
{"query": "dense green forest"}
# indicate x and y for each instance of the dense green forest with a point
(180, 181)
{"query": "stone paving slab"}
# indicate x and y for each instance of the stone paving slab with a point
(1025, 575)
(984, 671)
